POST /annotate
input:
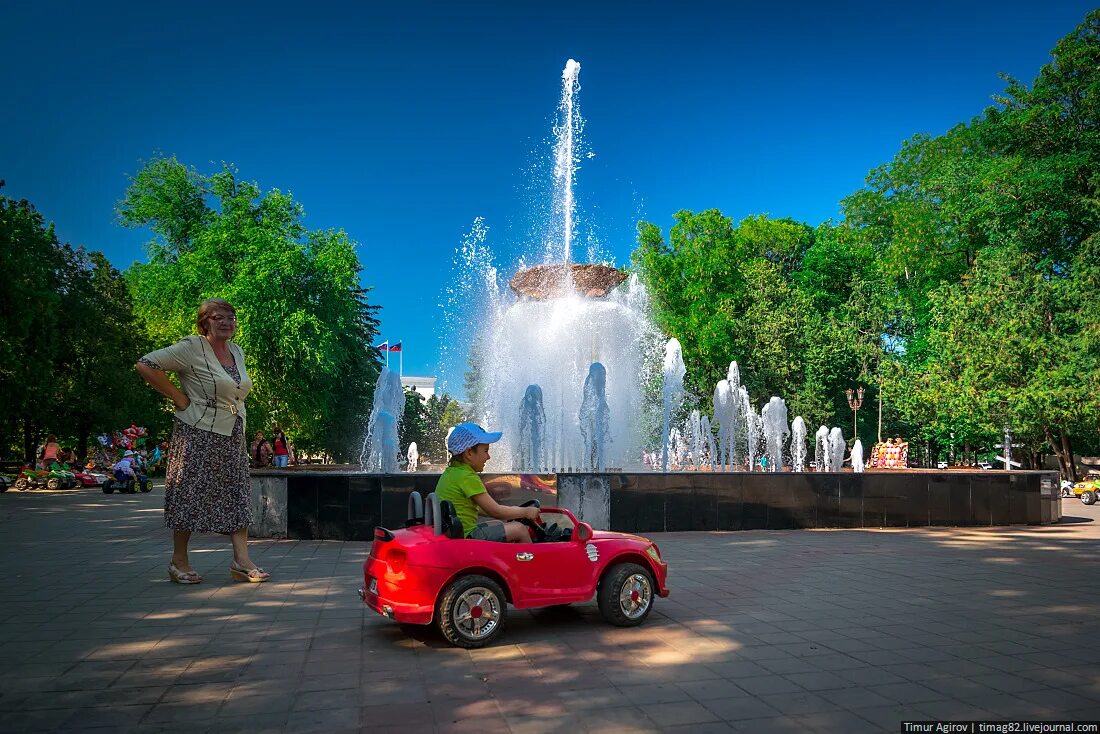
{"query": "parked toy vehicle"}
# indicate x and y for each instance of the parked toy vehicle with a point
(57, 477)
(6, 481)
(427, 572)
(1088, 489)
(89, 478)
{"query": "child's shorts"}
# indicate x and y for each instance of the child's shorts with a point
(489, 530)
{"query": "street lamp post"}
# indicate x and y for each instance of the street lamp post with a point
(855, 400)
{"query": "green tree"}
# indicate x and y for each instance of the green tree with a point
(306, 325)
(414, 423)
(95, 388)
(30, 258)
(443, 413)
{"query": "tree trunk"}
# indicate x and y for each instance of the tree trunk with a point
(1058, 445)
(82, 441)
(28, 441)
(1067, 446)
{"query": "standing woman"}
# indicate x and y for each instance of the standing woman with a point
(283, 449)
(206, 484)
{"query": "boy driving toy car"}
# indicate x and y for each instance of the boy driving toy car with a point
(468, 445)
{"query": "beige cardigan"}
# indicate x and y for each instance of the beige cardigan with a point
(216, 400)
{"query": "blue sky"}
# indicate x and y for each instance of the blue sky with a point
(402, 122)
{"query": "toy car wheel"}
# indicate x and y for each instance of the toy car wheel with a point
(1088, 497)
(21, 484)
(625, 595)
(146, 487)
(471, 611)
(53, 484)
(108, 488)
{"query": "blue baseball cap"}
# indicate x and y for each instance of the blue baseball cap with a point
(468, 435)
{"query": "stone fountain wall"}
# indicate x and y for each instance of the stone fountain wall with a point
(344, 505)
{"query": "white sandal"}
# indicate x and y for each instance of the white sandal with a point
(182, 577)
(250, 575)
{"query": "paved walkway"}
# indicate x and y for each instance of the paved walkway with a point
(794, 631)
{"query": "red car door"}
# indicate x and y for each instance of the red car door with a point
(551, 573)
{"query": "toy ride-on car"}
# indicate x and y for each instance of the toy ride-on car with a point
(1088, 490)
(127, 485)
(427, 572)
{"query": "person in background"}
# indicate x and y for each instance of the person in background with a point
(50, 451)
(206, 486)
(260, 451)
(123, 470)
(283, 449)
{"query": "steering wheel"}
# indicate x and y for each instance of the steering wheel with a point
(537, 526)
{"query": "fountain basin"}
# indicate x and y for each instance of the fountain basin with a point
(347, 505)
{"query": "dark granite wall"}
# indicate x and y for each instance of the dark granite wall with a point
(732, 501)
(345, 506)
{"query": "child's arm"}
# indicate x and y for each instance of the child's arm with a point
(493, 509)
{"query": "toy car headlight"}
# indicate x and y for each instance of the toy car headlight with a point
(653, 552)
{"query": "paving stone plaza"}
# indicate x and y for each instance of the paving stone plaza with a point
(793, 631)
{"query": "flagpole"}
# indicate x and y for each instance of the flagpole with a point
(401, 360)
(387, 355)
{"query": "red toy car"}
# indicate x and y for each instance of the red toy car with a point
(428, 572)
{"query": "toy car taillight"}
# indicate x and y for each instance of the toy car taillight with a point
(396, 559)
(654, 552)
(382, 534)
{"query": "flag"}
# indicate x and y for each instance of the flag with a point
(384, 346)
(396, 347)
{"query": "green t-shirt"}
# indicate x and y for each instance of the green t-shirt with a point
(459, 483)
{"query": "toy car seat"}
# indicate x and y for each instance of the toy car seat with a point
(416, 510)
(442, 517)
(452, 526)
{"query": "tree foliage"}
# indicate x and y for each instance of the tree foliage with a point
(305, 324)
(961, 281)
(67, 334)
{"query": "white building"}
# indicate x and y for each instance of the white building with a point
(423, 385)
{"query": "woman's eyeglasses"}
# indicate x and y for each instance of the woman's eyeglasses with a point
(220, 317)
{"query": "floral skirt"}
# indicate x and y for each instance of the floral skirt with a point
(206, 484)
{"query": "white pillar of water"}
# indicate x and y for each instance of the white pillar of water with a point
(672, 392)
(708, 437)
(531, 449)
(565, 160)
(773, 416)
(413, 456)
(836, 449)
(798, 444)
(857, 456)
(821, 448)
(725, 414)
(595, 419)
(695, 438)
(380, 450)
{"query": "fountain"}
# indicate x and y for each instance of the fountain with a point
(567, 364)
(835, 452)
(532, 431)
(553, 321)
(413, 457)
(672, 392)
(821, 449)
(380, 450)
(798, 444)
(773, 417)
(595, 419)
